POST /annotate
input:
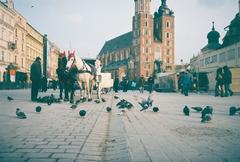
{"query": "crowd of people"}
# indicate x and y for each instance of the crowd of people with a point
(185, 82)
(140, 84)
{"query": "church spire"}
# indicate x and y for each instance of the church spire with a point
(213, 28)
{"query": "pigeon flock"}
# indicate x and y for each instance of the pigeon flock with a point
(48, 99)
(145, 104)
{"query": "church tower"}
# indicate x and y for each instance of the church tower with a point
(164, 35)
(143, 45)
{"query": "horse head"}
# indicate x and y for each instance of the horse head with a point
(74, 62)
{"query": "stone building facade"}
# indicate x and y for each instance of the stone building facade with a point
(151, 40)
(7, 41)
(20, 44)
(215, 55)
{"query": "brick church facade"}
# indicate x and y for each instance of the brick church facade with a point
(147, 49)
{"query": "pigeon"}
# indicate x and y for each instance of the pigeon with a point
(233, 110)
(20, 114)
(97, 101)
(49, 102)
(206, 118)
(155, 109)
(186, 110)
(74, 106)
(120, 102)
(9, 98)
(116, 97)
(109, 109)
(82, 113)
(129, 105)
(150, 101)
(103, 100)
(144, 105)
(207, 110)
(38, 109)
(77, 102)
(198, 109)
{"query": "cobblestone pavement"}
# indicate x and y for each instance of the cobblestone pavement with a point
(59, 134)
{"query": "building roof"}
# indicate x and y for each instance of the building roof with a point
(233, 34)
(116, 65)
(120, 42)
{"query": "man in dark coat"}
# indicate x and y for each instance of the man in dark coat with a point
(150, 83)
(116, 84)
(186, 81)
(227, 79)
(35, 77)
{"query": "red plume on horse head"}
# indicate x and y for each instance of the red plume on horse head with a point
(62, 54)
(71, 54)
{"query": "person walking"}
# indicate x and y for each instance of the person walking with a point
(150, 83)
(219, 82)
(116, 84)
(141, 84)
(35, 77)
(186, 82)
(227, 79)
(125, 84)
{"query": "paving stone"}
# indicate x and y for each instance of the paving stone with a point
(42, 160)
(27, 150)
(12, 155)
(57, 150)
(13, 159)
(37, 155)
(64, 155)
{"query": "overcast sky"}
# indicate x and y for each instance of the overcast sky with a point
(84, 25)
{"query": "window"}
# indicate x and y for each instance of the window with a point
(168, 24)
(168, 61)
(146, 49)
(16, 32)
(146, 23)
(168, 52)
(231, 54)
(22, 62)
(2, 58)
(214, 59)
(222, 57)
(15, 59)
(167, 35)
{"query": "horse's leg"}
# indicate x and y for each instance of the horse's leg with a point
(81, 90)
(88, 84)
(61, 89)
(66, 90)
(99, 91)
(72, 91)
(91, 87)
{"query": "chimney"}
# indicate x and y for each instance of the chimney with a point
(10, 4)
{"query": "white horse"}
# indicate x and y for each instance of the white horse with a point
(84, 75)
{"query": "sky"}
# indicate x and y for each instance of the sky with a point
(85, 25)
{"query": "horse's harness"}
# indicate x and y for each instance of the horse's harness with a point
(84, 68)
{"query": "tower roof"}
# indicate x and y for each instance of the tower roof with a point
(164, 10)
(213, 36)
(213, 40)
